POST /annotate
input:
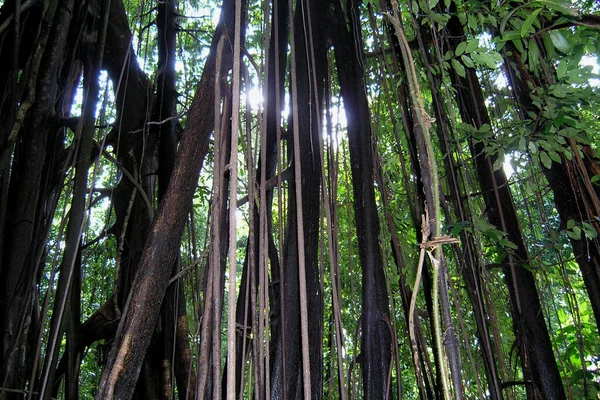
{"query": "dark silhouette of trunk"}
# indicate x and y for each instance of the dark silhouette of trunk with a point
(540, 370)
(65, 310)
(575, 196)
(134, 150)
(131, 91)
(29, 199)
(286, 353)
(375, 356)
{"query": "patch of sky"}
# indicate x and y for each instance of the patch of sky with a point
(106, 89)
(593, 62)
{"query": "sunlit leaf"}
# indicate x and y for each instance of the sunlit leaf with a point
(529, 22)
(467, 61)
(561, 69)
(533, 149)
(560, 42)
(473, 44)
(472, 21)
(563, 6)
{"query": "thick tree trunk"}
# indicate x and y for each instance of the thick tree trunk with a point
(575, 196)
(376, 343)
(537, 358)
(28, 199)
(142, 309)
(171, 349)
(311, 67)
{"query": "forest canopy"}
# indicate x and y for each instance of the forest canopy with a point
(206, 199)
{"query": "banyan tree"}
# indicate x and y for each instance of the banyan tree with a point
(333, 199)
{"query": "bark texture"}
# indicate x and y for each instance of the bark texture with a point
(376, 343)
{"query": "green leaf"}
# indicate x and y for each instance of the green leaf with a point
(560, 42)
(473, 44)
(447, 3)
(415, 6)
(510, 35)
(458, 67)
(533, 148)
(559, 92)
(529, 22)
(522, 143)
(482, 225)
(575, 233)
(561, 6)
(485, 128)
(534, 54)
(472, 22)
(570, 224)
(561, 69)
(506, 18)
(554, 156)
(589, 230)
(519, 45)
(460, 49)
(433, 3)
(545, 159)
(467, 61)
(545, 145)
(487, 60)
(496, 56)
(498, 164)
(568, 155)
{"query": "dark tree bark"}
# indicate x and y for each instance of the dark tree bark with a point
(142, 308)
(170, 342)
(29, 199)
(575, 196)
(540, 370)
(70, 266)
(311, 67)
(376, 344)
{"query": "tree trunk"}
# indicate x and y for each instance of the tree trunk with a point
(376, 343)
(575, 196)
(311, 67)
(540, 370)
(27, 202)
(142, 308)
